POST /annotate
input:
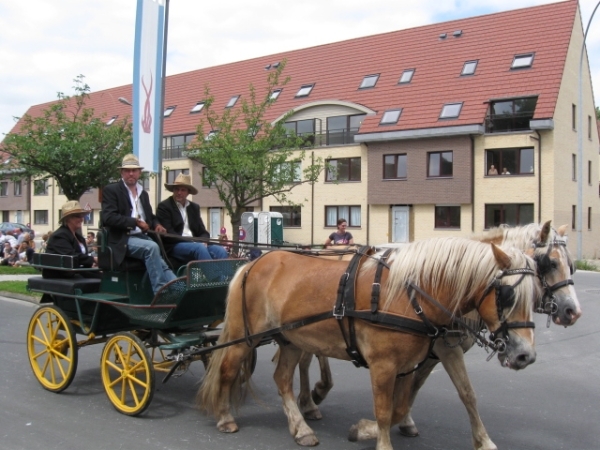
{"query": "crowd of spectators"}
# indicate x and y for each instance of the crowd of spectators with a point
(16, 248)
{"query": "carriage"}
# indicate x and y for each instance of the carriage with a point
(142, 333)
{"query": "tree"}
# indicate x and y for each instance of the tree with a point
(246, 158)
(69, 143)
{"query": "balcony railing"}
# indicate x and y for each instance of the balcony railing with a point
(330, 137)
(175, 152)
(501, 123)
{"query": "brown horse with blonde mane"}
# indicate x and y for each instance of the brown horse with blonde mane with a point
(284, 288)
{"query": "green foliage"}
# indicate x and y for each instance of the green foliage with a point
(582, 264)
(17, 287)
(246, 158)
(69, 143)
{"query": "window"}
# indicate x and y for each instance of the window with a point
(302, 128)
(394, 167)
(510, 161)
(343, 169)
(590, 173)
(510, 115)
(292, 215)
(406, 76)
(574, 117)
(369, 81)
(88, 219)
(350, 213)
(3, 188)
(40, 187)
(574, 167)
(275, 94)
(232, 101)
(589, 217)
(174, 146)
(40, 217)
(590, 128)
(574, 217)
(168, 111)
(145, 182)
(290, 171)
(390, 117)
(172, 174)
(5, 216)
(469, 68)
(111, 121)
(509, 214)
(451, 110)
(18, 188)
(522, 61)
(447, 216)
(305, 90)
(439, 164)
(342, 129)
(197, 107)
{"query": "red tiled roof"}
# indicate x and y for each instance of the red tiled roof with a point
(337, 70)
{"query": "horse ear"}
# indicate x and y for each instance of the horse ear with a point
(502, 258)
(545, 232)
(562, 230)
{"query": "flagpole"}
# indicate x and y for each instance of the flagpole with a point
(162, 107)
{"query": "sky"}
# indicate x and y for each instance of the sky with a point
(45, 44)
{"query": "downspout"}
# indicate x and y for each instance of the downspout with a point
(539, 139)
(472, 183)
(312, 204)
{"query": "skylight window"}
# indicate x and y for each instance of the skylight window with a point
(469, 68)
(406, 76)
(275, 94)
(168, 111)
(522, 61)
(232, 101)
(390, 117)
(197, 108)
(369, 81)
(111, 120)
(451, 110)
(304, 91)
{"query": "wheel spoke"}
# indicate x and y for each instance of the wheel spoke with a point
(134, 394)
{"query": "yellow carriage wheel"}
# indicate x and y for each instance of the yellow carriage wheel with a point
(52, 348)
(127, 374)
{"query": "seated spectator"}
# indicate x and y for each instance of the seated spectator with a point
(68, 240)
(9, 255)
(45, 241)
(91, 243)
(25, 254)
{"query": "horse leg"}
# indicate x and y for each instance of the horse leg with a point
(324, 385)
(289, 356)
(454, 363)
(306, 402)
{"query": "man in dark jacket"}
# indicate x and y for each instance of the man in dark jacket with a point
(180, 216)
(126, 210)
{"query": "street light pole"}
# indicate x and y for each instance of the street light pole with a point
(580, 145)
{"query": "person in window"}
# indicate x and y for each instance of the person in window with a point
(493, 170)
(68, 240)
(341, 236)
(505, 172)
(182, 217)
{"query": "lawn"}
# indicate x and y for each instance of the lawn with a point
(17, 287)
(9, 270)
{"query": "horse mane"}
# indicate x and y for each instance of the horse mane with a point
(458, 268)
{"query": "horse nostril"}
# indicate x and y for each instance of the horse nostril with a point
(524, 359)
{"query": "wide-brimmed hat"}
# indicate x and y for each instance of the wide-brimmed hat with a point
(72, 208)
(182, 180)
(130, 161)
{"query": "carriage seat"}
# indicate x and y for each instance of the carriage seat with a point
(105, 258)
(67, 286)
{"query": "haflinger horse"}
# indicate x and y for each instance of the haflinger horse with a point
(428, 284)
(557, 298)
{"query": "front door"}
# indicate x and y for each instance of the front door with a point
(214, 217)
(400, 224)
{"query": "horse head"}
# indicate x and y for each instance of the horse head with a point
(506, 308)
(555, 269)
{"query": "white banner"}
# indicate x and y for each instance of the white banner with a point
(147, 82)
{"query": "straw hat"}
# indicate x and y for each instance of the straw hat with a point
(72, 208)
(130, 161)
(182, 180)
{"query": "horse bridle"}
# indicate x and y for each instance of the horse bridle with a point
(505, 298)
(547, 304)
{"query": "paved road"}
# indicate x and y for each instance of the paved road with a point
(551, 405)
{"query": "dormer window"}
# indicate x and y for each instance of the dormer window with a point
(197, 108)
(275, 94)
(168, 111)
(232, 101)
(407, 76)
(369, 81)
(469, 68)
(522, 61)
(451, 111)
(211, 134)
(305, 90)
(111, 121)
(390, 117)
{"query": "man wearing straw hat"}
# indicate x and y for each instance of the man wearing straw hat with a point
(181, 216)
(126, 210)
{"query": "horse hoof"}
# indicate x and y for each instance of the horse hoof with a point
(316, 397)
(315, 414)
(409, 431)
(229, 427)
(310, 440)
(353, 433)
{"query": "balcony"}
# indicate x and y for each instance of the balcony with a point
(174, 152)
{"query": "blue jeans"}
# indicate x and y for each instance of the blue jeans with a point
(140, 246)
(194, 251)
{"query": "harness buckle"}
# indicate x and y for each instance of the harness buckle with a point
(339, 315)
(419, 310)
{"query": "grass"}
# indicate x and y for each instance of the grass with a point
(585, 265)
(17, 287)
(9, 270)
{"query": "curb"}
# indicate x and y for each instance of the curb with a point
(26, 298)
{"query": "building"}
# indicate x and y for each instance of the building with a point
(414, 120)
